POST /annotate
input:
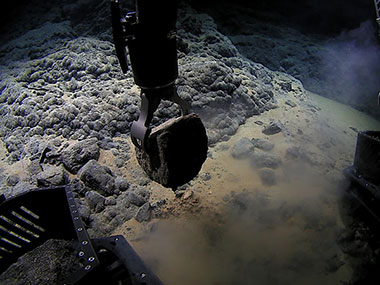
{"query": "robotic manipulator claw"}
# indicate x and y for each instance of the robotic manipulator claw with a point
(150, 35)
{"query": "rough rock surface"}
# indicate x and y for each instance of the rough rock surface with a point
(95, 201)
(46, 264)
(51, 175)
(242, 149)
(71, 86)
(262, 144)
(268, 176)
(263, 159)
(272, 128)
(175, 151)
(98, 177)
(78, 154)
(144, 213)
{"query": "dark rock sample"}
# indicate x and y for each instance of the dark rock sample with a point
(49, 263)
(272, 128)
(98, 177)
(242, 149)
(262, 159)
(77, 155)
(176, 151)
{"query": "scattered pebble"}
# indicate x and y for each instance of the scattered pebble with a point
(272, 128)
(262, 144)
(268, 177)
(263, 159)
(290, 103)
(242, 149)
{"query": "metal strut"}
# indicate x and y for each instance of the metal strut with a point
(377, 6)
(150, 35)
(377, 9)
(150, 100)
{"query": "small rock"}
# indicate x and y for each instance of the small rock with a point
(293, 152)
(84, 213)
(290, 103)
(119, 161)
(110, 201)
(20, 187)
(95, 201)
(286, 86)
(121, 183)
(188, 193)
(57, 142)
(242, 148)
(12, 180)
(77, 155)
(98, 177)
(159, 203)
(78, 187)
(129, 213)
(133, 198)
(354, 129)
(262, 159)
(176, 151)
(262, 144)
(142, 191)
(51, 175)
(268, 177)
(272, 128)
(34, 167)
(179, 193)
(109, 213)
(144, 213)
(260, 123)
(222, 147)
(206, 176)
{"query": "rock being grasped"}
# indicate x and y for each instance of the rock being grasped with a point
(176, 151)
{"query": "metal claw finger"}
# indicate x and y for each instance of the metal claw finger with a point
(140, 129)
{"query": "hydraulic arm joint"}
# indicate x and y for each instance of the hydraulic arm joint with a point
(150, 35)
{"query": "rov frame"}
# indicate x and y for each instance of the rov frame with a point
(31, 218)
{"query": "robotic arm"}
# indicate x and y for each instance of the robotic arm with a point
(150, 35)
(173, 153)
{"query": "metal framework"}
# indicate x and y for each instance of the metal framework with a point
(377, 8)
(31, 218)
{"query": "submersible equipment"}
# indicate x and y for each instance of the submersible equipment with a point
(173, 153)
(364, 174)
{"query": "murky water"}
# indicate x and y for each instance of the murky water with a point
(283, 236)
(250, 233)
